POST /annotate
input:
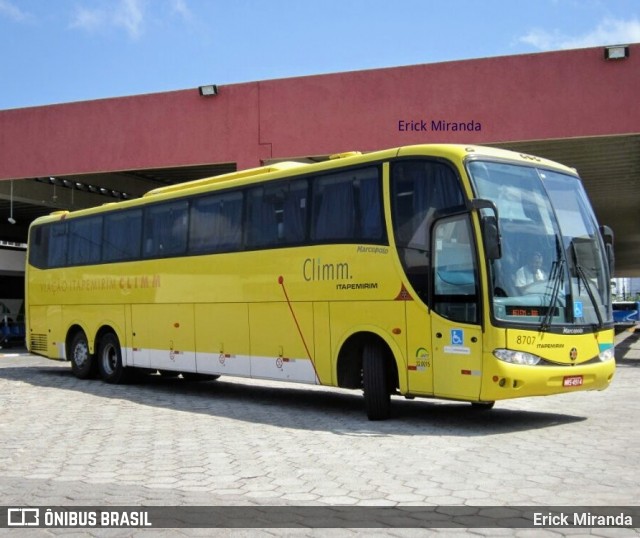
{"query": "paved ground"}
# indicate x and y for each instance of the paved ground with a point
(64, 441)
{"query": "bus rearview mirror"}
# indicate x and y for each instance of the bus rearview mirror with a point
(490, 227)
(491, 234)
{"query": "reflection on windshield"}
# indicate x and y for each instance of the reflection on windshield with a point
(552, 266)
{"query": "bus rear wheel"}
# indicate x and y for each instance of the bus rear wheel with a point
(83, 363)
(110, 359)
(377, 397)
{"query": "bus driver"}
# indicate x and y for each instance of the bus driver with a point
(530, 273)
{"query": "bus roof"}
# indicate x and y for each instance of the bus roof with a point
(282, 169)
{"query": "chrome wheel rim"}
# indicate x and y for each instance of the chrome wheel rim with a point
(109, 359)
(80, 354)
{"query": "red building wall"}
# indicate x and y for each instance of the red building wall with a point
(527, 97)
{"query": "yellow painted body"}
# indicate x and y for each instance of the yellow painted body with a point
(286, 313)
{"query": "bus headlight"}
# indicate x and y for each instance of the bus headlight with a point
(607, 354)
(516, 357)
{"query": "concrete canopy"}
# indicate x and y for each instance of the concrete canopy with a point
(573, 106)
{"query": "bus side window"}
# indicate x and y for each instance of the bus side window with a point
(348, 206)
(216, 223)
(294, 212)
(370, 209)
(277, 214)
(39, 247)
(165, 229)
(455, 287)
(264, 208)
(57, 245)
(85, 237)
(421, 189)
(122, 235)
(335, 212)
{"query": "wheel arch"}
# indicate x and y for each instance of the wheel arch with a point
(93, 337)
(348, 367)
(106, 327)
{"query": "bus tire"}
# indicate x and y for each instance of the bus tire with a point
(110, 359)
(377, 398)
(83, 363)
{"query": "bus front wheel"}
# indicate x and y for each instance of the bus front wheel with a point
(110, 359)
(83, 363)
(377, 398)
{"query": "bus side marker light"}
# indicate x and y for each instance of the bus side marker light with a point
(396, 330)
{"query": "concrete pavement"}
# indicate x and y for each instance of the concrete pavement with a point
(65, 441)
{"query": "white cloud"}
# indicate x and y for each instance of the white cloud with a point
(8, 9)
(127, 15)
(181, 8)
(88, 19)
(608, 32)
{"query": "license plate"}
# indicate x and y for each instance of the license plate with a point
(572, 381)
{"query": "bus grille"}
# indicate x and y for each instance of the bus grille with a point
(39, 343)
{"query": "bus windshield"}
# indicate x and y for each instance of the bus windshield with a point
(552, 270)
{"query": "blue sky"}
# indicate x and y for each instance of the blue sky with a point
(56, 51)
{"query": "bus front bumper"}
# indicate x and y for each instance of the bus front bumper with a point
(503, 380)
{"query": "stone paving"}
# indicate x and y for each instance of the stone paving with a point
(65, 441)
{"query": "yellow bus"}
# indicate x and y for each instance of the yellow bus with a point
(441, 271)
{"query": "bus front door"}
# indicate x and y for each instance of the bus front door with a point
(456, 358)
(456, 334)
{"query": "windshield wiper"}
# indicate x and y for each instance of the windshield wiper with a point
(556, 278)
(583, 277)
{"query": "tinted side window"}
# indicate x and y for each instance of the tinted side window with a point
(216, 223)
(39, 246)
(84, 240)
(348, 206)
(420, 191)
(122, 236)
(57, 255)
(165, 229)
(277, 214)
